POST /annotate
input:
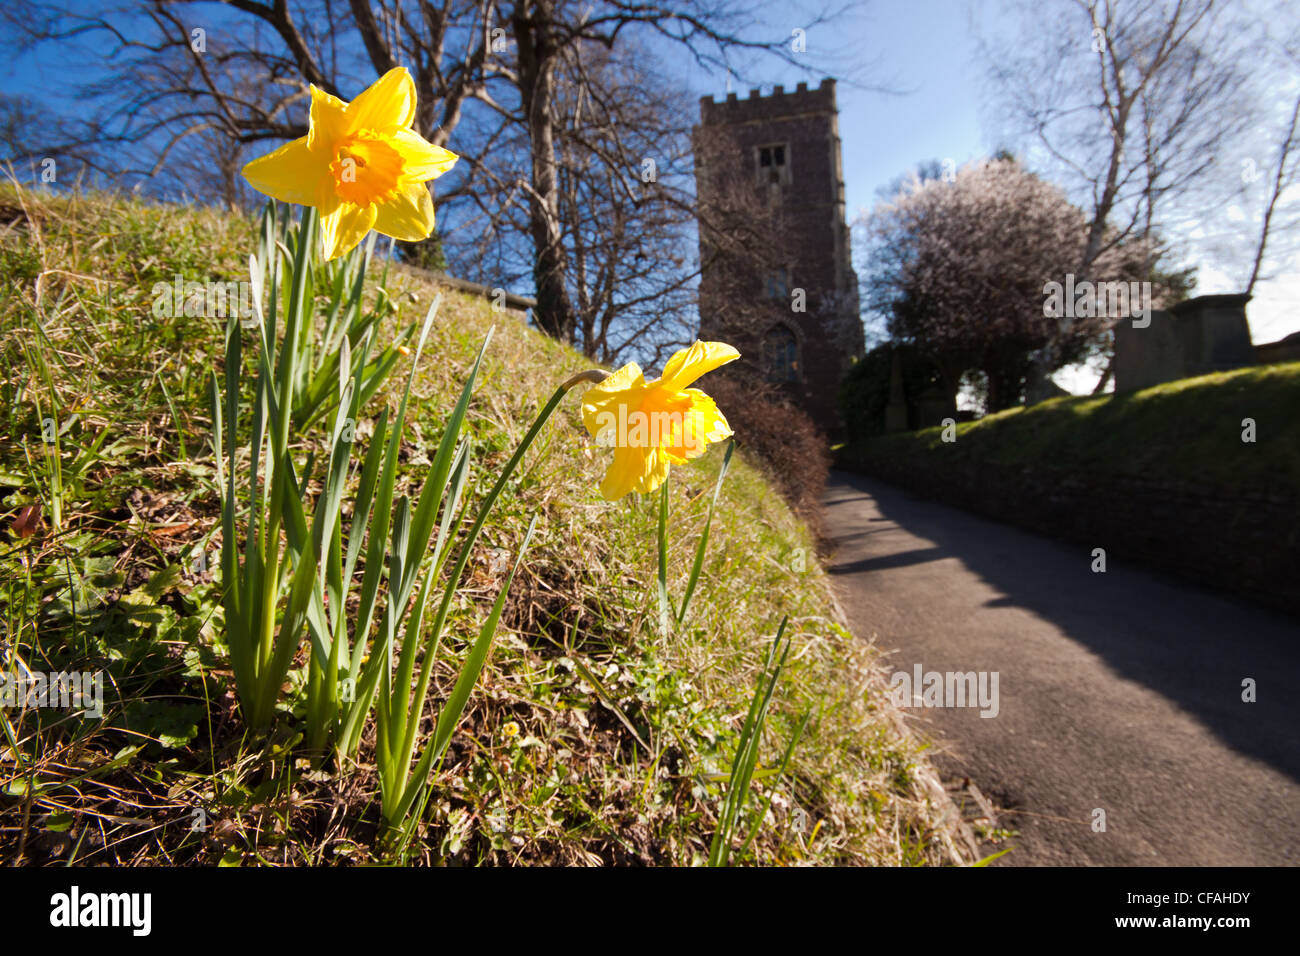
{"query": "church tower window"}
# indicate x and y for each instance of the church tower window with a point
(781, 354)
(773, 164)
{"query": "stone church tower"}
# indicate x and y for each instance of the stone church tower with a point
(786, 297)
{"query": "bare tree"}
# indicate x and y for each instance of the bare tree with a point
(1131, 103)
(177, 69)
(547, 33)
(1284, 178)
(40, 146)
(495, 74)
(625, 205)
(1279, 219)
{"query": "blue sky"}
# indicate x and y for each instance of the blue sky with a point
(926, 51)
(920, 48)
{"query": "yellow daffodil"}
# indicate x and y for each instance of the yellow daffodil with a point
(653, 425)
(360, 164)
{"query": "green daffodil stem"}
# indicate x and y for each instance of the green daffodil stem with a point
(704, 537)
(745, 761)
(665, 604)
(486, 508)
(404, 784)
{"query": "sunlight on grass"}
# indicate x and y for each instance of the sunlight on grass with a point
(1189, 430)
(593, 736)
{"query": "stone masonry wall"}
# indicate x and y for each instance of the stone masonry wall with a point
(1242, 542)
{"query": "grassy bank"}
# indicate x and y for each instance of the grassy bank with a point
(591, 737)
(1186, 431)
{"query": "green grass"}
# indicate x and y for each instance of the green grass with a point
(1189, 431)
(591, 736)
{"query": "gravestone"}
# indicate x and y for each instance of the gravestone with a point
(934, 406)
(896, 409)
(1206, 334)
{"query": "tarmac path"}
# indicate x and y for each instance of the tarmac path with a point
(1118, 691)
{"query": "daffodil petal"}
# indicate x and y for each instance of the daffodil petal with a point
(408, 216)
(389, 101)
(421, 160)
(629, 376)
(328, 122)
(654, 471)
(344, 228)
(666, 425)
(623, 473)
(689, 364)
(327, 198)
(634, 469)
(618, 389)
(702, 425)
(289, 174)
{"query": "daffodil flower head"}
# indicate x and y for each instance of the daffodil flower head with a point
(361, 165)
(654, 425)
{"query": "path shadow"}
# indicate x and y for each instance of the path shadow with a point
(1191, 645)
(899, 560)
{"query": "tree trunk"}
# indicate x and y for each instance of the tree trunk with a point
(1279, 183)
(533, 26)
(1105, 376)
(1004, 389)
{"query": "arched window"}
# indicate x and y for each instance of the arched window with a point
(781, 354)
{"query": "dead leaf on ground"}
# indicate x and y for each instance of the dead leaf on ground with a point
(28, 521)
